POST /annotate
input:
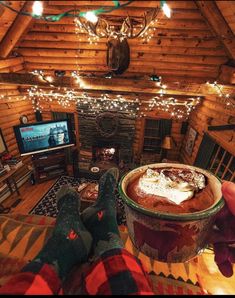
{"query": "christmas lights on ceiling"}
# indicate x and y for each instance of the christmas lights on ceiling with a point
(131, 27)
(93, 104)
(97, 27)
(178, 109)
(225, 99)
(37, 11)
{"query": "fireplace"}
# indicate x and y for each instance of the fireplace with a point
(105, 155)
(96, 150)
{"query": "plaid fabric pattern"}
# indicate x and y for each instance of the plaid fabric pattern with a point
(117, 272)
(40, 279)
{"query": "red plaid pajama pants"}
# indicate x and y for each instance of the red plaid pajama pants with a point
(116, 272)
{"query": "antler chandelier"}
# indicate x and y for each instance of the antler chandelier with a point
(130, 28)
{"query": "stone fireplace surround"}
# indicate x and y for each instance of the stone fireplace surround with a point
(92, 143)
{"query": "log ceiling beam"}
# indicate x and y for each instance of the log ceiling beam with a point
(227, 74)
(218, 25)
(123, 85)
(96, 84)
(11, 62)
(15, 32)
(92, 92)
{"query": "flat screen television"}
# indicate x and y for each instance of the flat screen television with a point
(33, 138)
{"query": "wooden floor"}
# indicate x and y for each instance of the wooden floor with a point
(30, 195)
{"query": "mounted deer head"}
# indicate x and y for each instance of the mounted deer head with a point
(118, 55)
(118, 51)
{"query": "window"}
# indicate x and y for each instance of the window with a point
(152, 138)
(222, 164)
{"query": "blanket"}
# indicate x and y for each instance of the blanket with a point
(23, 236)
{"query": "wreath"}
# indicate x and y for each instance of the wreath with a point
(107, 124)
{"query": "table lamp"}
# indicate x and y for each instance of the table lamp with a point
(167, 144)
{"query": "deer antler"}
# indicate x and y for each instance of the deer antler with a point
(148, 18)
(103, 29)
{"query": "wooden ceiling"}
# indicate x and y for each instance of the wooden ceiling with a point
(195, 45)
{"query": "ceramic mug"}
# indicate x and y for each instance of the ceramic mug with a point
(169, 237)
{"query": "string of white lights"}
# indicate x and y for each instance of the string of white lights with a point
(224, 98)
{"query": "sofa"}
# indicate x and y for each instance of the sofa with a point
(22, 237)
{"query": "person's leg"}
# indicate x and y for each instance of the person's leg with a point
(100, 218)
(115, 271)
(69, 245)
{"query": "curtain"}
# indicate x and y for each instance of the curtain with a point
(205, 152)
(165, 127)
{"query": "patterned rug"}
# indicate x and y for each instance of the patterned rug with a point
(47, 205)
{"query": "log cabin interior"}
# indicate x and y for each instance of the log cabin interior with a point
(135, 83)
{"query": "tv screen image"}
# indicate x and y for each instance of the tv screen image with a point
(43, 136)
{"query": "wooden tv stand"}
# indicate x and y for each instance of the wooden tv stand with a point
(49, 165)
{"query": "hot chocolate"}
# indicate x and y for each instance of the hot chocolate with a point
(171, 190)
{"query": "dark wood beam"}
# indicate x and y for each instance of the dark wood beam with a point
(96, 84)
(222, 127)
(218, 25)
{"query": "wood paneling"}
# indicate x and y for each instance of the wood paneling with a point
(210, 112)
(10, 114)
(192, 47)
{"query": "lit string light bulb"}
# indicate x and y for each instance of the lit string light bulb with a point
(178, 109)
(78, 79)
(104, 30)
(85, 102)
(166, 9)
(91, 17)
(223, 98)
(37, 9)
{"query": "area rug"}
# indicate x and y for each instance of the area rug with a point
(47, 205)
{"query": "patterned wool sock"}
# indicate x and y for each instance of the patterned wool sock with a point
(70, 243)
(100, 218)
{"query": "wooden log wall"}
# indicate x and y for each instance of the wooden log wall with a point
(14, 106)
(11, 108)
(139, 127)
(210, 112)
(172, 154)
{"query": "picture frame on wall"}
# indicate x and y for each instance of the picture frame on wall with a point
(3, 146)
(192, 134)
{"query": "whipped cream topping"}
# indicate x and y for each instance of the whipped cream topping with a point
(175, 185)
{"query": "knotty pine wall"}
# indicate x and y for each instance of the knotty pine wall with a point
(138, 142)
(11, 108)
(175, 133)
(210, 112)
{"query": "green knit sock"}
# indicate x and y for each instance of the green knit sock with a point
(100, 218)
(70, 243)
